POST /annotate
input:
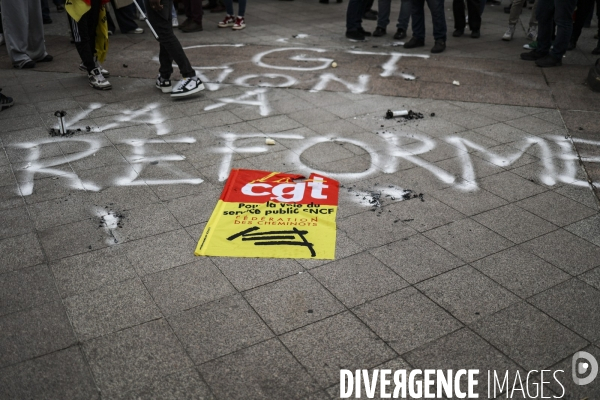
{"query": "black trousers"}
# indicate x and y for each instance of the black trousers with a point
(474, 10)
(84, 34)
(585, 8)
(170, 48)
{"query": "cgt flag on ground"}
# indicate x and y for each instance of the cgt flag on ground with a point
(272, 215)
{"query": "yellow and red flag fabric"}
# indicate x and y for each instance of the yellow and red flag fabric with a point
(273, 215)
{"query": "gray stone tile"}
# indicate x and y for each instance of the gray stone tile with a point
(592, 277)
(275, 124)
(514, 223)
(510, 186)
(589, 229)
(110, 308)
(186, 209)
(469, 203)
(292, 302)
(20, 252)
(583, 195)
(384, 230)
(357, 279)
(10, 197)
(59, 375)
(217, 118)
(501, 132)
(338, 342)
(135, 357)
(566, 251)
(221, 327)
(34, 332)
(424, 215)
(313, 116)
(186, 384)
(532, 125)
(90, 271)
(406, 319)
(15, 222)
(195, 283)
(555, 208)
(146, 221)
(416, 258)
(467, 294)
(463, 350)
(575, 304)
(527, 336)
(468, 240)
(264, 371)
(70, 239)
(520, 272)
(247, 273)
(26, 288)
(160, 252)
(567, 389)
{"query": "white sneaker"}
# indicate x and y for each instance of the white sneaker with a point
(137, 30)
(163, 85)
(239, 24)
(227, 22)
(105, 73)
(1, 39)
(97, 80)
(187, 86)
(508, 35)
(532, 33)
(175, 22)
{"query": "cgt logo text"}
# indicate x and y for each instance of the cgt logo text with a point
(462, 383)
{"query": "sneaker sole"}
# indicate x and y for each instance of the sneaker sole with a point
(198, 89)
(235, 28)
(101, 88)
(225, 26)
(164, 89)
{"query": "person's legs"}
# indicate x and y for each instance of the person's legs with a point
(45, 11)
(404, 16)
(15, 22)
(482, 5)
(563, 17)
(458, 9)
(474, 15)
(383, 18)
(229, 7)
(532, 19)
(354, 15)
(241, 8)
(418, 18)
(81, 35)
(585, 8)
(125, 17)
(515, 11)
(193, 10)
(438, 17)
(36, 46)
(544, 15)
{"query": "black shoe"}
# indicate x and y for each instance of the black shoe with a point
(414, 42)
(324, 1)
(439, 46)
(458, 33)
(5, 101)
(355, 35)
(365, 33)
(370, 15)
(548, 61)
(572, 45)
(532, 55)
(47, 21)
(379, 31)
(400, 34)
(60, 8)
(28, 64)
(47, 58)
(475, 34)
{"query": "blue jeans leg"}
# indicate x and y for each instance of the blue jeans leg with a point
(418, 18)
(438, 17)
(354, 15)
(383, 7)
(404, 16)
(563, 12)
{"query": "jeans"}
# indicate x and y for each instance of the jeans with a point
(384, 7)
(560, 12)
(170, 48)
(458, 9)
(585, 8)
(438, 18)
(193, 10)
(241, 7)
(354, 15)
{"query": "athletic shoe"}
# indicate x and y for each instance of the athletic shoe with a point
(355, 35)
(137, 31)
(548, 61)
(531, 46)
(104, 72)
(187, 86)
(5, 101)
(110, 33)
(508, 35)
(163, 84)
(379, 31)
(28, 64)
(175, 22)
(239, 24)
(1, 39)
(532, 33)
(400, 34)
(414, 42)
(47, 58)
(227, 22)
(97, 80)
(533, 55)
(439, 46)
(362, 30)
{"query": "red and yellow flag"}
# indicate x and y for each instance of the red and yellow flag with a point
(272, 215)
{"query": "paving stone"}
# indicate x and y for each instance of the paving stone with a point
(529, 337)
(90, 271)
(338, 342)
(198, 282)
(520, 271)
(292, 302)
(34, 332)
(59, 375)
(247, 273)
(555, 208)
(514, 223)
(71, 239)
(26, 288)
(424, 215)
(574, 304)
(15, 222)
(344, 247)
(463, 349)
(468, 240)
(135, 357)
(264, 371)
(20, 252)
(567, 388)
(510, 186)
(387, 230)
(589, 229)
(218, 328)
(187, 210)
(186, 384)
(146, 221)
(467, 294)
(357, 279)
(111, 308)
(592, 277)
(469, 203)
(406, 319)
(160, 252)
(566, 251)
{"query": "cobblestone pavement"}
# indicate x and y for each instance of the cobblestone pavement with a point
(497, 269)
